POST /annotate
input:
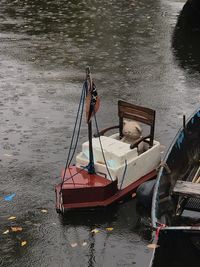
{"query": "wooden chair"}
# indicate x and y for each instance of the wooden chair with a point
(137, 113)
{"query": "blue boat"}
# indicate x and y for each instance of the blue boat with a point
(176, 200)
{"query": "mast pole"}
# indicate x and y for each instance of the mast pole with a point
(91, 169)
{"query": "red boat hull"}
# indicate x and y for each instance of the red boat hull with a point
(83, 190)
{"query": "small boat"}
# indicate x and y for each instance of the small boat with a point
(107, 170)
(176, 200)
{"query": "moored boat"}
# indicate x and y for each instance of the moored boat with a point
(176, 200)
(107, 169)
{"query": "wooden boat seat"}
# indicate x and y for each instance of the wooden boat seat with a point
(187, 189)
(137, 113)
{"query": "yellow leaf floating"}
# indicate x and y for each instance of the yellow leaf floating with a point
(152, 246)
(44, 211)
(109, 228)
(95, 231)
(133, 195)
(12, 218)
(73, 245)
(6, 232)
(16, 229)
(23, 243)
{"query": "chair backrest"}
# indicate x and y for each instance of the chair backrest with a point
(137, 113)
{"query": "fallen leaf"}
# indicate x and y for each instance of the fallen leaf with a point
(16, 229)
(44, 211)
(73, 245)
(152, 246)
(23, 243)
(95, 231)
(109, 228)
(133, 195)
(8, 155)
(12, 218)
(37, 224)
(6, 232)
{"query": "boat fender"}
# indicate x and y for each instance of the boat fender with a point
(144, 193)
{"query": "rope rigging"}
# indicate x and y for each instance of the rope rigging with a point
(79, 116)
(76, 133)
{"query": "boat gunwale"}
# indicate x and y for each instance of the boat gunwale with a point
(154, 219)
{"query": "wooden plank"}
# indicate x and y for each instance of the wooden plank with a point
(188, 189)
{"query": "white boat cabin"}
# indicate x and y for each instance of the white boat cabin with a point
(124, 163)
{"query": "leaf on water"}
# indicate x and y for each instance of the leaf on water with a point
(95, 231)
(73, 245)
(37, 224)
(152, 246)
(8, 155)
(133, 195)
(16, 229)
(6, 232)
(44, 211)
(84, 244)
(12, 218)
(23, 243)
(109, 228)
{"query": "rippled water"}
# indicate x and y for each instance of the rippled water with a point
(44, 48)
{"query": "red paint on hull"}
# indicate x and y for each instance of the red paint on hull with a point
(91, 191)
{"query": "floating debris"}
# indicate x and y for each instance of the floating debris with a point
(37, 224)
(109, 228)
(16, 228)
(133, 195)
(44, 210)
(6, 232)
(12, 218)
(23, 243)
(73, 245)
(8, 155)
(152, 246)
(9, 197)
(95, 231)
(84, 244)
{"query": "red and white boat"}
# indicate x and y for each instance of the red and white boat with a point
(107, 170)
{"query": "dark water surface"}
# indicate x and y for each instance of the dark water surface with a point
(44, 48)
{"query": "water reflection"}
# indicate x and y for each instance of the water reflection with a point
(186, 37)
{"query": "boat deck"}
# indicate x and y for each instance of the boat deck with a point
(79, 178)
